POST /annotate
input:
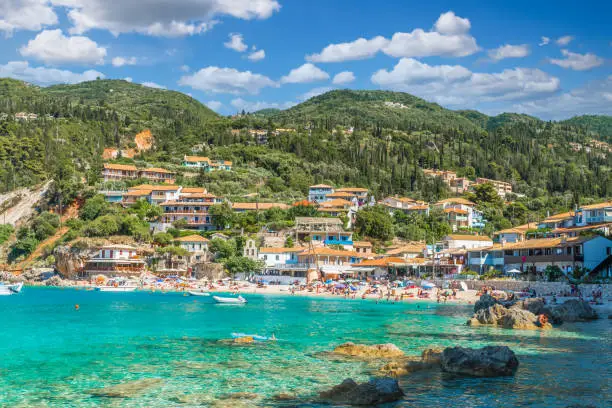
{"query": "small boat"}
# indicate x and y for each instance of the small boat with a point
(255, 337)
(117, 285)
(5, 291)
(232, 301)
(193, 293)
(16, 288)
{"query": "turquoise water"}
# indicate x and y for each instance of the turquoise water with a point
(52, 355)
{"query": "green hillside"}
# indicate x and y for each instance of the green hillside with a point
(599, 124)
(371, 108)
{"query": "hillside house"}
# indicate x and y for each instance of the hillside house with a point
(501, 187)
(206, 164)
(114, 260)
(116, 172)
(192, 208)
(320, 230)
(196, 245)
(157, 175)
(459, 241)
(318, 193)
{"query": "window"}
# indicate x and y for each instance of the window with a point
(265, 257)
(569, 250)
(277, 257)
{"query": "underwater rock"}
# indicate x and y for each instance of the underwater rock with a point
(369, 351)
(126, 390)
(430, 359)
(490, 361)
(244, 340)
(432, 356)
(239, 396)
(283, 397)
(374, 392)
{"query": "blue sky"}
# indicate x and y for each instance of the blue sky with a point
(549, 59)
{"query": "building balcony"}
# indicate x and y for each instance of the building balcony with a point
(338, 242)
(599, 219)
(291, 266)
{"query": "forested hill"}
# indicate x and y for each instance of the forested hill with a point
(600, 124)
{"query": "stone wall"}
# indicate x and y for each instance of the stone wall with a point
(541, 288)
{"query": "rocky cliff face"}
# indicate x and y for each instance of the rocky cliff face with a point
(70, 260)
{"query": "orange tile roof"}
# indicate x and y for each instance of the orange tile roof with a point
(161, 187)
(353, 189)
(455, 210)
(340, 194)
(137, 193)
(303, 203)
(546, 243)
(260, 206)
(192, 238)
(193, 190)
(382, 262)
(417, 207)
(156, 170)
(197, 195)
(337, 202)
(197, 159)
(560, 216)
(362, 244)
(321, 186)
(127, 167)
(325, 251)
(597, 206)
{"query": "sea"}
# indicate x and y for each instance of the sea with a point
(55, 355)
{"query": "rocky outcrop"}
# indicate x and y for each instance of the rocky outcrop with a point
(369, 351)
(517, 316)
(374, 392)
(573, 311)
(485, 302)
(491, 361)
(69, 260)
(126, 390)
(430, 359)
(244, 340)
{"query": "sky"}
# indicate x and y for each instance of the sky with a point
(551, 59)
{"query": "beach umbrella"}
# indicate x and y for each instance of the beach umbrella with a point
(428, 285)
(340, 286)
(329, 281)
(514, 271)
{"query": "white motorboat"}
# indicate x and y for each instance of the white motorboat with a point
(117, 285)
(231, 301)
(16, 288)
(195, 293)
(5, 291)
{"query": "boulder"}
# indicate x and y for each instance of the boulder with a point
(244, 340)
(534, 305)
(573, 310)
(490, 361)
(430, 359)
(126, 390)
(518, 319)
(239, 396)
(432, 356)
(485, 302)
(374, 392)
(490, 315)
(283, 397)
(369, 351)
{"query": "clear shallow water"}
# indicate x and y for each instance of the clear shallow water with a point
(52, 355)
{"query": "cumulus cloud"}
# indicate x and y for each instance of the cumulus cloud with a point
(544, 41)
(595, 98)
(236, 43)
(577, 62)
(226, 80)
(257, 55)
(153, 85)
(449, 23)
(304, 74)
(450, 38)
(30, 15)
(348, 51)
(457, 85)
(185, 68)
(509, 51)
(254, 106)
(344, 77)
(160, 18)
(53, 47)
(128, 79)
(214, 105)
(42, 75)
(563, 41)
(121, 61)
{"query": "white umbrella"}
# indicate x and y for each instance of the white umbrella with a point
(514, 271)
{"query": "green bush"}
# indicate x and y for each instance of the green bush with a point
(5, 232)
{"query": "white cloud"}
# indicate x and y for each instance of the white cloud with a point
(53, 47)
(214, 105)
(450, 38)
(509, 51)
(449, 23)
(226, 80)
(595, 99)
(344, 77)
(121, 61)
(254, 106)
(456, 85)
(356, 50)
(236, 43)
(153, 85)
(42, 75)
(563, 41)
(30, 15)
(577, 62)
(304, 74)
(185, 68)
(544, 41)
(160, 18)
(128, 79)
(257, 55)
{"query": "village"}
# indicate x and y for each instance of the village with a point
(323, 245)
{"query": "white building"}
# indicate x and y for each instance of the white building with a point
(458, 241)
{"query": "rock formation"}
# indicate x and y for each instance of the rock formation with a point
(374, 392)
(369, 351)
(491, 361)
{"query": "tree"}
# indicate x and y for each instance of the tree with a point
(93, 208)
(222, 215)
(486, 194)
(374, 222)
(516, 212)
(163, 238)
(241, 264)
(223, 249)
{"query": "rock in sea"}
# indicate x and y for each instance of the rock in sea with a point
(490, 361)
(574, 310)
(367, 351)
(374, 392)
(126, 390)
